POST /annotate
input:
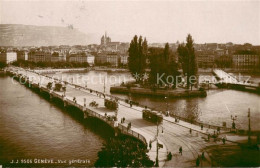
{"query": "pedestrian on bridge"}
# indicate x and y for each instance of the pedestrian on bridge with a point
(218, 130)
(223, 140)
(198, 161)
(150, 144)
(190, 130)
(180, 150)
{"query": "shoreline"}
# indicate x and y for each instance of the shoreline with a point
(158, 93)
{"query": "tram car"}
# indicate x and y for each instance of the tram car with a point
(152, 116)
(111, 104)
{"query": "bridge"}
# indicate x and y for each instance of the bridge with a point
(229, 81)
(172, 135)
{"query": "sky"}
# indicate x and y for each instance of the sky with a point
(158, 21)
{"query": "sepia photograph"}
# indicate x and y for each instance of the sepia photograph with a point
(135, 83)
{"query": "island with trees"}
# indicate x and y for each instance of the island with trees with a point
(157, 73)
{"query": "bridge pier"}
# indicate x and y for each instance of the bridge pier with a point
(65, 103)
(51, 96)
(117, 131)
(85, 112)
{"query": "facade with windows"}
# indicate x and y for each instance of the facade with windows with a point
(246, 62)
(39, 56)
(8, 57)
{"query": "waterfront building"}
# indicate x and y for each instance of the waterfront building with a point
(22, 55)
(246, 62)
(90, 59)
(112, 59)
(124, 59)
(206, 59)
(8, 57)
(101, 59)
(82, 58)
(58, 57)
(39, 56)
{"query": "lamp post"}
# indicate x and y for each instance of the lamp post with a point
(249, 127)
(157, 149)
(104, 85)
(166, 99)
(157, 146)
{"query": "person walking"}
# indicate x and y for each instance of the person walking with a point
(190, 130)
(202, 156)
(198, 161)
(223, 140)
(150, 144)
(218, 130)
(180, 150)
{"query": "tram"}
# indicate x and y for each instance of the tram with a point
(111, 104)
(152, 116)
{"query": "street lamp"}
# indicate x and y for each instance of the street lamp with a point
(249, 127)
(157, 146)
(167, 105)
(104, 84)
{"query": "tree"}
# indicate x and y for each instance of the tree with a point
(123, 152)
(137, 56)
(2, 65)
(162, 66)
(188, 60)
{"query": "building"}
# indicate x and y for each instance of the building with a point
(112, 59)
(90, 59)
(205, 59)
(22, 55)
(78, 58)
(100, 59)
(105, 39)
(246, 62)
(39, 56)
(8, 57)
(58, 57)
(124, 59)
(82, 58)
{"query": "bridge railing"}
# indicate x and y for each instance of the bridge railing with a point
(205, 125)
(132, 133)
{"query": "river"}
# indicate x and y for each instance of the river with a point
(31, 127)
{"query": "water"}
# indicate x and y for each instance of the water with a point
(31, 127)
(214, 109)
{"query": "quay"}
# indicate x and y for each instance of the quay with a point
(171, 136)
(159, 92)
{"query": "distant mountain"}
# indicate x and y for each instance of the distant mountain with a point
(28, 35)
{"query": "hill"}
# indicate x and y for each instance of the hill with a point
(28, 35)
